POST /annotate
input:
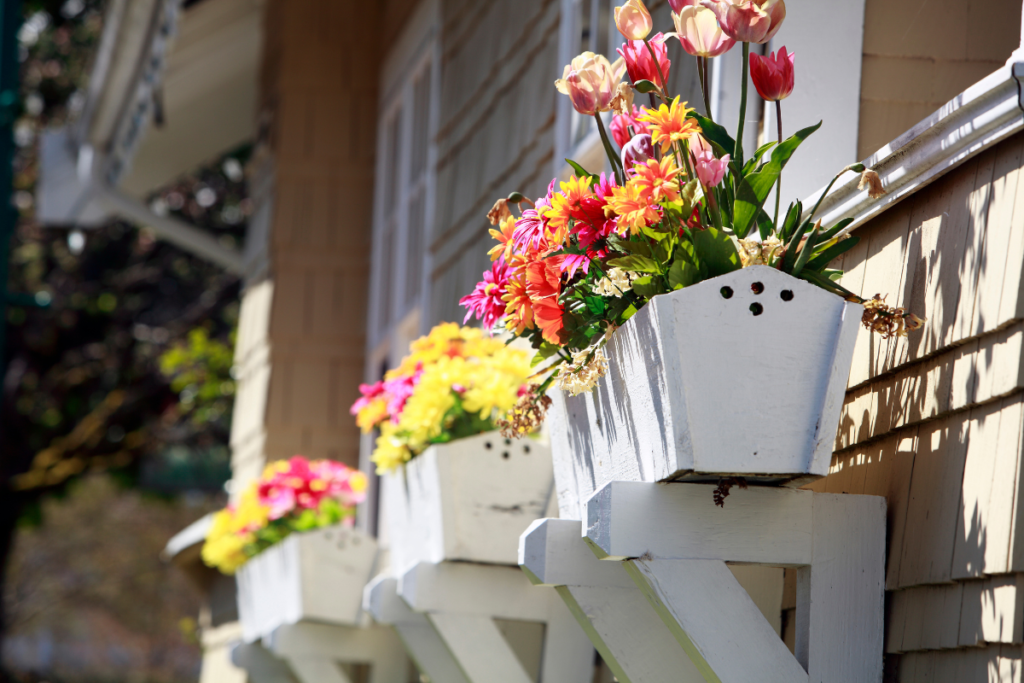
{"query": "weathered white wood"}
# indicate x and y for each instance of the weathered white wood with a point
(466, 500)
(313, 650)
(478, 645)
(657, 414)
(680, 521)
(837, 541)
(421, 640)
(620, 622)
(260, 666)
(715, 621)
(461, 600)
(317, 575)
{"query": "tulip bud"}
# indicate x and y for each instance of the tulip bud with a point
(678, 5)
(621, 123)
(633, 20)
(637, 151)
(710, 170)
(773, 75)
(591, 82)
(639, 64)
(698, 30)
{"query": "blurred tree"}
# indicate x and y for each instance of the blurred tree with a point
(83, 389)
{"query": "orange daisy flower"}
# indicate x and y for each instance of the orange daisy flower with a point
(504, 238)
(658, 180)
(564, 203)
(669, 124)
(630, 204)
(518, 307)
(543, 284)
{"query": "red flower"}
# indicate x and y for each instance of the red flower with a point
(639, 64)
(544, 284)
(621, 123)
(773, 75)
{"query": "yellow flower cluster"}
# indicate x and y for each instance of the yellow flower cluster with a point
(460, 365)
(232, 530)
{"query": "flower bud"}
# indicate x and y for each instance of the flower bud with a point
(773, 75)
(698, 30)
(633, 20)
(638, 150)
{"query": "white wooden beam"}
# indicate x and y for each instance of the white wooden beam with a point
(677, 547)
(313, 650)
(462, 599)
(715, 621)
(760, 525)
(421, 639)
(618, 619)
(260, 665)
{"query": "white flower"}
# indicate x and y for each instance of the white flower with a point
(580, 375)
(616, 283)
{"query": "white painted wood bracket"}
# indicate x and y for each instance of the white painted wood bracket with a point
(260, 666)
(615, 614)
(461, 600)
(676, 542)
(315, 651)
(422, 641)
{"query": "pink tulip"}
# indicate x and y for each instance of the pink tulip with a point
(773, 75)
(710, 170)
(639, 64)
(621, 123)
(590, 81)
(637, 151)
(678, 5)
(698, 30)
(748, 21)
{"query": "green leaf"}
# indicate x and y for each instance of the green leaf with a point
(717, 251)
(595, 304)
(805, 253)
(826, 256)
(629, 246)
(717, 135)
(628, 313)
(753, 189)
(645, 87)
(636, 263)
(545, 351)
(828, 285)
(834, 230)
(792, 218)
(790, 258)
(682, 274)
(764, 224)
(581, 172)
(648, 286)
(756, 159)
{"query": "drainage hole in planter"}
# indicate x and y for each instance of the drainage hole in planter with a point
(786, 295)
(726, 292)
(508, 442)
(487, 445)
(504, 454)
(757, 287)
(756, 309)
(526, 449)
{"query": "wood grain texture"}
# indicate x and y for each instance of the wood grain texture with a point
(657, 413)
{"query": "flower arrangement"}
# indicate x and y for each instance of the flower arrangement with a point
(291, 495)
(455, 382)
(683, 204)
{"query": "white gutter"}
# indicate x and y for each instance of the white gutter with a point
(191, 535)
(987, 112)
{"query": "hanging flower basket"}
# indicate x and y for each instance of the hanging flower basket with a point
(466, 500)
(740, 375)
(313, 576)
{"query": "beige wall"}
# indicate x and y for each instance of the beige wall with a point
(496, 130)
(919, 54)
(934, 422)
(301, 340)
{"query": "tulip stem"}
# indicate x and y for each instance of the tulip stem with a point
(702, 72)
(662, 92)
(617, 167)
(778, 188)
(738, 152)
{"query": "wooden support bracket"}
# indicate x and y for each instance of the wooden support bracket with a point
(461, 601)
(313, 651)
(260, 666)
(673, 543)
(421, 639)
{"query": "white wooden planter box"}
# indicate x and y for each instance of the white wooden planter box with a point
(466, 500)
(699, 386)
(313, 576)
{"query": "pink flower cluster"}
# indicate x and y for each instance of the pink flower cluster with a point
(394, 391)
(302, 485)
